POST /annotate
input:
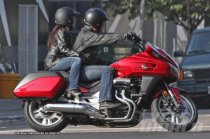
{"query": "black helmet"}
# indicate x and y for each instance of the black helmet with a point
(63, 16)
(95, 17)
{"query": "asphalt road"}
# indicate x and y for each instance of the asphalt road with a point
(118, 135)
(147, 129)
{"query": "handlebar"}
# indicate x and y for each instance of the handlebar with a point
(140, 43)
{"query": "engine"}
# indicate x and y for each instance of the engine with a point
(132, 86)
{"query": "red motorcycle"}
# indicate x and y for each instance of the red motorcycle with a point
(142, 80)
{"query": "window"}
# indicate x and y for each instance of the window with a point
(199, 43)
(111, 53)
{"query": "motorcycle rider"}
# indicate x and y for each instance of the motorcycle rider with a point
(89, 36)
(60, 55)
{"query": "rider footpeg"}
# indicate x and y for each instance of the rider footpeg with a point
(73, 94)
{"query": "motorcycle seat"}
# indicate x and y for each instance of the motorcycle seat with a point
(87, 85)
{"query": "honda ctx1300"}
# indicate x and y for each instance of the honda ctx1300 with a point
(141, 81)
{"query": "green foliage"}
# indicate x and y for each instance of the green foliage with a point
(174, 10)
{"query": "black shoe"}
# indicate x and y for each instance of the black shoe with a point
(108, 104)
(73, 93)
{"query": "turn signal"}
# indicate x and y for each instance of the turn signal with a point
(181, 75)
(165, 93)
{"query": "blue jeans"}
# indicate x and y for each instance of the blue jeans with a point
(69, 63)
(103, 73)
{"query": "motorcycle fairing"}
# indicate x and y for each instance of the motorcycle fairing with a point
(141, 64)
(149, 83)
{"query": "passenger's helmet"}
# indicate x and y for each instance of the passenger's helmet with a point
(95, 17)
(64, 15)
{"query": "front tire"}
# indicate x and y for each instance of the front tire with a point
(170, 119)
(42, 121)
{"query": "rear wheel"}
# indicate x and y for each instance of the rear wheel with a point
(169, 118)
(42, 121)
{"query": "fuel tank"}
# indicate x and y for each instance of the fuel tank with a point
(40, 85)
(141, 64)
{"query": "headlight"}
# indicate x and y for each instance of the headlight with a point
(187, 74)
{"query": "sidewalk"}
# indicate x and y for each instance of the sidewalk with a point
(11, 111)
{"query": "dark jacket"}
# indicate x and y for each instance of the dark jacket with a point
(61, 48)
(88, 39)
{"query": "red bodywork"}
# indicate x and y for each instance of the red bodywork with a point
(43, 87)
(140, 64)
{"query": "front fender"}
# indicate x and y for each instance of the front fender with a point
(175, 90)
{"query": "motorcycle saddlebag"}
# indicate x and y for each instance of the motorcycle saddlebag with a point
(40, 85)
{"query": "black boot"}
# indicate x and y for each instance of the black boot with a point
(108, 104)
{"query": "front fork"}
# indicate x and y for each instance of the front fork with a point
(173, 94)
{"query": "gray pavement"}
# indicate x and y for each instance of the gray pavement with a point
(20, 128)
(118, 135)
(146, 126)
(10, 111)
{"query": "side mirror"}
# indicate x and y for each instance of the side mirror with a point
(179, 53)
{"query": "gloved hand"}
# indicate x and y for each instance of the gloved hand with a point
(132, 37)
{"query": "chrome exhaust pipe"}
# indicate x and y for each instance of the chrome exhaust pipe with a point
(131, 111)
(75, 108)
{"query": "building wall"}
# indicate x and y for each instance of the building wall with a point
(11, 7)
(12, 11)
(156, 30)
(45, 24)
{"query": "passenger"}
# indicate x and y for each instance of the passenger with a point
(60, 55)
(89, 36)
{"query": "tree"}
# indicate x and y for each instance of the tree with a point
(187, 13)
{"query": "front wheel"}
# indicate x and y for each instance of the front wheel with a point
(42, 121)
(171, 119)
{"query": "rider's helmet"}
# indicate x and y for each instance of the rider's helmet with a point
(95, 17)
(64, 16)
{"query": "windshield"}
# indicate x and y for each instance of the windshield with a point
(159, 53)
(199, 43)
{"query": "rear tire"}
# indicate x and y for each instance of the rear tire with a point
(169, 119)
(41, 121)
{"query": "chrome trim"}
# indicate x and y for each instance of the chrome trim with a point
(125, 102)
(75, 108)
(127, 118)
(125, 80)
(91, 111)
(177, 105)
